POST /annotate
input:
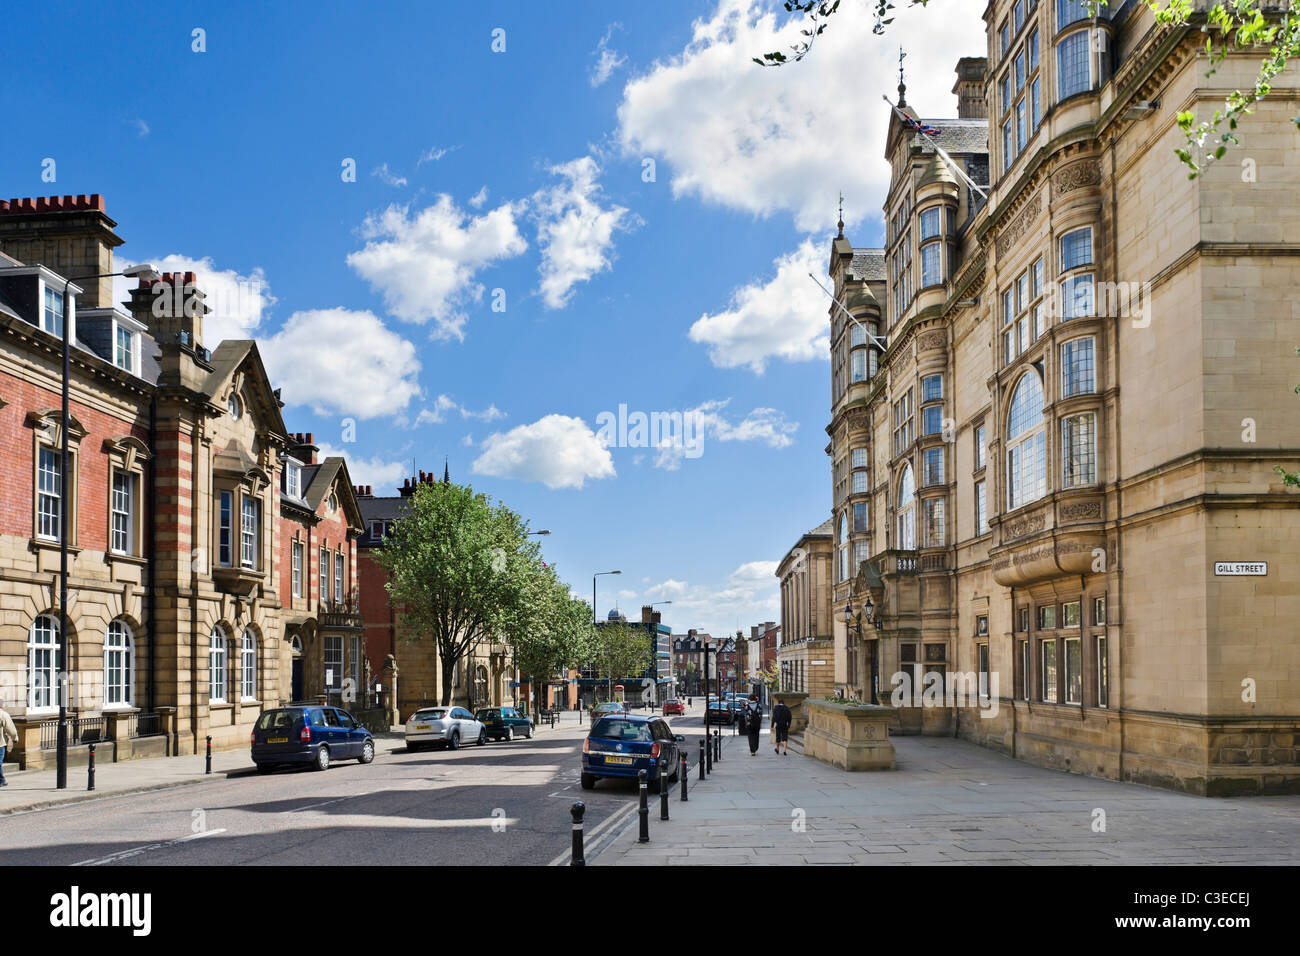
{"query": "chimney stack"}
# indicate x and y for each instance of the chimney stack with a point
(70, 234)
(304, 447)
(969, 87)
(172, 308)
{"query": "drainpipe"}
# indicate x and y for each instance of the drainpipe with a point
(152, 536)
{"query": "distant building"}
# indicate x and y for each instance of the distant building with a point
(654, 684)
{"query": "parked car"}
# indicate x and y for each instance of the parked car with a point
(504, 723)
(606, 708)
(445, 727)
(722, 711)
(621, 745)
(309, 735)
(674, 706)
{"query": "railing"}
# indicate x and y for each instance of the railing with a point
(81, 730)
(144, 725)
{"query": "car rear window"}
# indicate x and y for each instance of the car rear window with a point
(279, 720)
(489, 714)
(613, 729)
(437, 714)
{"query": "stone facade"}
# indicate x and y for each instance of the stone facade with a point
(1086, 388)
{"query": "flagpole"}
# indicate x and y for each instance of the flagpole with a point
(878, 342)
(952, 164)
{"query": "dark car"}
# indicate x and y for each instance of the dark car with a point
(309, 735)
(721, 711)
(504, 723)
(621, 745)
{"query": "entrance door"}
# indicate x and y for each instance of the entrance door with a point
(296, 679)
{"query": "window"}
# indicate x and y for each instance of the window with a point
(43, 663)
(981, 447)
(49, 494)
(323, 565)
(234, 406)
(122, 512)
(860, 516)
(124, 355)
(1025, 683)
(1076, 249)
(933, 512)
(907, 510)
(983, 650)
(931, 264)
(224, 534)
(1070, 614)
(1024, 619)
(118, 675)
(333, 502)
(1073, 67)
(296, 573)
(1004, 87)
(932, 388)
(1020, 71)
(293, 479)
(1103, 674)
(1069, 11)
(1049, 670)
(1077, 368)
(1008, 154)
(933, 466)
(248, 666)
(1076, 297)
(1047, 617)
(1078, 450)
(338, 576)
(376, 529)
(1035, 105)
(333, 657)
(53, 316)
(354, 663)
(1073, 671)
(217, 665)
(1099, 611)
(248, 527)
(903, 423)
(1018, 15)
(931, 223)
(859, 482)
(844, 548)
(860, 554)
(1005, 36)
(1026, 444)
(932, 420)
(1031, 46)
(981, 509)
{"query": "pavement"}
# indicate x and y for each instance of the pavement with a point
(949, 802)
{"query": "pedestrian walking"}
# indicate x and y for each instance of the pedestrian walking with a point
(8, 738)
(781, 718)
(753, 721)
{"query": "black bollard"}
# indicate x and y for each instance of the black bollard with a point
(663, 788)
(717, 745)
(90, 776)
(702, 760)
(576, 811)
(684, 774)
(644, 809)
(209, 761)
(708, 751)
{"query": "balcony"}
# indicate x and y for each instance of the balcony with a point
(340, 616)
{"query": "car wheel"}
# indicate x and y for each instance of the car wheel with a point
(322, 757)
(588, 781)
(510, 733)
(453, 742)
(529, 732)
(367, 752)
(482, 737)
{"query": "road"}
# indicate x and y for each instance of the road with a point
(500, 804)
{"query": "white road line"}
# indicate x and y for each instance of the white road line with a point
(124, 854)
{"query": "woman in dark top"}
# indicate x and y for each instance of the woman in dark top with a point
(753, 721)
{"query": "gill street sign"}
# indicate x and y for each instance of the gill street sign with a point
(1240, 568)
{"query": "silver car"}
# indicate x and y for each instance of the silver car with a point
(447, 727)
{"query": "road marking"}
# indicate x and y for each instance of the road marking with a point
(598, 831)
(124, 854)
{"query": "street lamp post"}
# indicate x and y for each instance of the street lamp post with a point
(856, 624)
(142, 271)
(593, 591)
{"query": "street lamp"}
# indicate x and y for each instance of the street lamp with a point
(593, 591)
(868, 610)
(539, 532)
(141, 271)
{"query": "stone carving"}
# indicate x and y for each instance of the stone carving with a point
(1026, 525)
(1081, 509)
(1018, 226)
(932, 340)
(1077, 176)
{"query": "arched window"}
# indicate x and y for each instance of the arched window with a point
(1026, 444)
(42, 663)
(480, 684)
(217, 665)
(844, 547)
(248, 665)
(907, 510)
(119, 662)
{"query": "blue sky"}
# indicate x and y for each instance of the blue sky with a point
(526, 171)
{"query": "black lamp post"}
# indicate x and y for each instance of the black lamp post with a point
(142, 271)
(855, 625)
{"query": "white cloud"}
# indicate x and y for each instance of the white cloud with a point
(386, 177)
(344, 362)
(708, 423)
(607, 59)
(433, 154)
(575, 232)
(383, 475)
(142, 127)
(782, 317)
(789, 139)
(237, 301)
(479, 198)
(751, 593)
(557, 450)
(467, 441)
(424, 263)
(437, 413)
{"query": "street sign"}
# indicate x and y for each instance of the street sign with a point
(1241, 568)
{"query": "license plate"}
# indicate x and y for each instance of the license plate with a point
(421, 726)
(622, 761)
(277, 740)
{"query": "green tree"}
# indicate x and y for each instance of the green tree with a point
(1235, 24)
(551, 630)
(770, 676)
(458, 570)
(619, 651)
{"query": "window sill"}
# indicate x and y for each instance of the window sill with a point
(47, 544)
(119, 709)
(219, 705)
(113, 557)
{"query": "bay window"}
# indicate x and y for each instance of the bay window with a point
(1026, 444)
(1073, 64)
(907, 510)
(1078, 372)
(1079, 450)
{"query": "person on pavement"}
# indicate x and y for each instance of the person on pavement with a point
(781, 718)
(8, 738)
(753, 721)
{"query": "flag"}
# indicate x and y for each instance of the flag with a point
(918, 126)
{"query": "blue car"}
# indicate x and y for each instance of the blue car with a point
(309, 735)
(621, 745)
